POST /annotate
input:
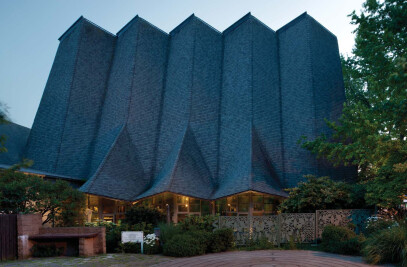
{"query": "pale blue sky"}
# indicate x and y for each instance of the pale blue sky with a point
(30, 30)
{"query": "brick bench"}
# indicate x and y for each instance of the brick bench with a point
(88, 241)
(71, 243)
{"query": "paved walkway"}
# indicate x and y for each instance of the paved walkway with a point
(257, 258)
(268, 258)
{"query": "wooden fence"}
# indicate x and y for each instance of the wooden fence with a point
(8, 236)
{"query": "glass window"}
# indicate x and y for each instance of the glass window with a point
(269, 204)
(257, 202)
(232, 204)
(108, 205)
(206, 207)
(182, 208)
(221, 206)
(194, 205)
(244, 202)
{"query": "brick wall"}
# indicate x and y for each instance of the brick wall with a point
(31, 224)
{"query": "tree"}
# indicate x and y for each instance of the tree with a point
(322, 193)
(3, 120)
(372, 131)
(22, 193)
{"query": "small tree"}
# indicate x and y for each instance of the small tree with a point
(322, 193)
(58, 201)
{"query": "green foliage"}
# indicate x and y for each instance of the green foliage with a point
(372, 130)
(387, 246)
(183, 245)
(341, 240)
(203, 237)
(173, 238)
(222, 240)
(129, 247)
(39, 250)
(198, 223)
(113, 234)
(142, 214)
(374, 225)
(322, 193)
(168, 231)
(22, 193)
(257, 244)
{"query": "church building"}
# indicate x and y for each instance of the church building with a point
(192, 122)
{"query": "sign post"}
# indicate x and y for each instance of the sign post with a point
(133, 237)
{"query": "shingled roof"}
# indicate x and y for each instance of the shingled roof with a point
(195, 112)
(16, 139)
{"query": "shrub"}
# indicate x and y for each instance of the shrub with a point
(39, 250)
(168, 231)
(375, 224)
(142, 214)
(129, 247)
(258, 244)
(198, 223)
(183, 245)
(222, 240)
(323, 193)
(387, 246)
(113, 234)
(341, 240)
(203, 237)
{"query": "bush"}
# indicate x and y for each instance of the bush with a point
(39, 250)
(222, 240)
(204, 238)
(375, 224)
(204, 223)
(168, 231)
(129, 247)
(323, 193)
(258, 244)
(142, 214)
(341, 240)
(183, 245)
(387, 246)
(113, 234)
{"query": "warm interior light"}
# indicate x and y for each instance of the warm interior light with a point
(186, 205)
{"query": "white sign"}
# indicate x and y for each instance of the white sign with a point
(134, 237)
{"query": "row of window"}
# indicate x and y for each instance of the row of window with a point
(182, 206)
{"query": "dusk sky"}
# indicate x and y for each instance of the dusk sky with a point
(30, 30)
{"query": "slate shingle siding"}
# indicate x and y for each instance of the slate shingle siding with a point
(195, 112)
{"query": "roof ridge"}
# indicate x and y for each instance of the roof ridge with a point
(70, 29)
(292, 22)
(137, 17)
(182, 24)
(237, 23)
(207, 24)
(262, 23)
(91, 179)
